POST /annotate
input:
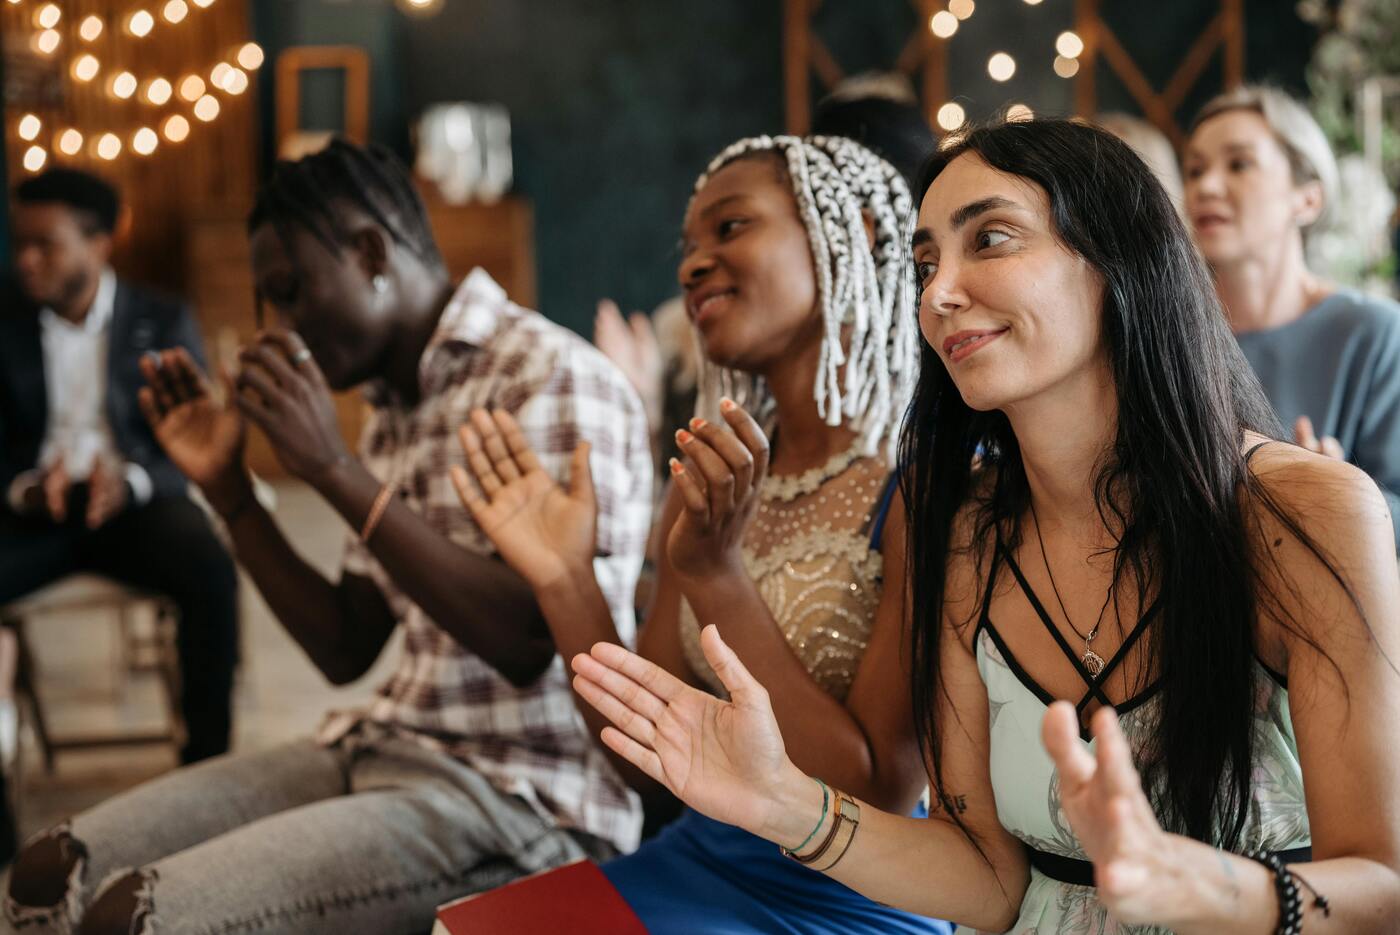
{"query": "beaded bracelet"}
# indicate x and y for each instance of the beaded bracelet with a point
(826, 801)
(1290, 904)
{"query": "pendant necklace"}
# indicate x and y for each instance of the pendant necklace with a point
(1093, 663)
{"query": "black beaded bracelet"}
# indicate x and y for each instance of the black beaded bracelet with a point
(1290, 903)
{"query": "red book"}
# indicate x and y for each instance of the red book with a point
(575, 898)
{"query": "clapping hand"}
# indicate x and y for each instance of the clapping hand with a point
(544, 532)
(719, 489)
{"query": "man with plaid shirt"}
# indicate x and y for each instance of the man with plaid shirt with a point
(472, 765)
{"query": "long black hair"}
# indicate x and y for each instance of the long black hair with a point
(1172, 487)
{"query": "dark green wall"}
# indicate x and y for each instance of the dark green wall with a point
(617, 104)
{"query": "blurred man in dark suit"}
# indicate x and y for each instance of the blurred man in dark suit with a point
(84, 485)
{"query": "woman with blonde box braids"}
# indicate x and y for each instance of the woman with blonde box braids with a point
(795, 277)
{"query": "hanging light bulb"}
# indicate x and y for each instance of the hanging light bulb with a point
(144, 141)
(90, 28)
(124, 85)
(158, 91)
(140, 24)
(86, 67)
(175, 11)
(251, 56)
(192, 88)
(1019, 113)
(951, 116)
(236, 82)
(176, 128)
(943, 24)
(109, 147)
(1066, 67)
(46, 42)
(220, 74)
(34, 158)
(1001, 67)
(29, 127)
(962, 9)
(420, 7)
(207, 108)
(70, 143)
(1069, 45)
(203, 4)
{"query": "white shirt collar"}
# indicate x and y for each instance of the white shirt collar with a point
(99, 314)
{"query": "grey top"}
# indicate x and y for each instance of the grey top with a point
(1339, 365)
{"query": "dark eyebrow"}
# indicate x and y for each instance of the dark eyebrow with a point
(970, 210)
(728, 199)
(921, 236)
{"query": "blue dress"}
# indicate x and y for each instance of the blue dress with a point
(813, 553)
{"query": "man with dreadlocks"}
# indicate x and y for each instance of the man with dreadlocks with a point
(795, 281)
(471, 766)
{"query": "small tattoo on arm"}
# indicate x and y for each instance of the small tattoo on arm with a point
(1229, 869)
(952, 804)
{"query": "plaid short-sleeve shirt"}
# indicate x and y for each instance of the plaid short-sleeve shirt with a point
(528, 741)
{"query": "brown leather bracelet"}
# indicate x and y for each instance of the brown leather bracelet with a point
(376, 512)
(851, 818)
(830, 835)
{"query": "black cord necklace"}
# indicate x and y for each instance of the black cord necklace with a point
(1093, 663)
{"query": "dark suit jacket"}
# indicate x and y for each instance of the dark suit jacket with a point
(140, 322)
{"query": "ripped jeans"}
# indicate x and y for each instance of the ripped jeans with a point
(368, 835)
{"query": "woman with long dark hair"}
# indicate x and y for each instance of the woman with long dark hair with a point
(1142, 629)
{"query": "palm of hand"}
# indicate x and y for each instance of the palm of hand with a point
(714, 754)
(538, 528)
(201, 437)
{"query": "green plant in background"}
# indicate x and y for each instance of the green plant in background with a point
(1360, 43)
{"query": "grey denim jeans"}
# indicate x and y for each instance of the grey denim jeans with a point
(366, 836)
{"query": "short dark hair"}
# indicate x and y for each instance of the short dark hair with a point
(894, 130)
(95, 202)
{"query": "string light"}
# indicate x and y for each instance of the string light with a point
(29, 127)
(158, 92)
(220, 74)
(1066, 67)
(34, 158)
(144, 141)
(109, 147)
(207, 108)
(192, 88)
(70, 143)
(175, 11)
(962, 9)
(86, 67)
(1069, 45)
(1001, 67)
(251, 56)
(90, 28)
(124, 85)
(236, 82)
(203, 4)
(47, 41)
(47, 16)
(1019, 113)
(140, 24)
(176, 128)
(943, 24)
(1032, 2)
(951, 116)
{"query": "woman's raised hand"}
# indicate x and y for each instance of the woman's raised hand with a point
(719, 489)
(543, 531)
(1135, 865)
(724, 759)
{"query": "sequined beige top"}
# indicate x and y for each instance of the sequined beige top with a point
(809, 553)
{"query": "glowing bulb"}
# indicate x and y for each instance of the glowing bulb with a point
(962, 9)
(220, 74)
(158, 91)
(1066, 67)
(86, 67)
(207, 108)
(203, 4)
(109, 147)
(70, 143)
(175, 11)
(251, 56)
(124, 85)
(47, 16)
(236, 82)
(1001, 66)
(1069, 44)
(943, 24)
(47, 41)
(176, 128)
(192, 88)
(1018, 113)
(1032, 2)
(140, 24)
(144, 141)
(34, 158)
(29, 127)
(951, 116)
(90, 28)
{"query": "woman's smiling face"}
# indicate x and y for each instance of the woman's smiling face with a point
(1009, 309)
